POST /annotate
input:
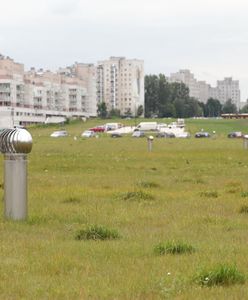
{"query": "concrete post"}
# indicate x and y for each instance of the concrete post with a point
(245, 143)
(149, 143)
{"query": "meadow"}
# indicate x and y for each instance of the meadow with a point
(110, 220)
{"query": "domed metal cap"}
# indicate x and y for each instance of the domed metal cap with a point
(16, 140)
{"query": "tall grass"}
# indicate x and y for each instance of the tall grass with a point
(96, 232)
(172, 247)
(221, 275)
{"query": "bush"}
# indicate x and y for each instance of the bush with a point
(244, 194)
(72, 200)
(148, 184)
(220, 275)
(136, 196)
(172, 247)
(208, 194)
(95, 232)
(244, 209)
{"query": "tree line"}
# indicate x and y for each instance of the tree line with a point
(165, 99)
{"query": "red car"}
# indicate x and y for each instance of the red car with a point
(98, 129)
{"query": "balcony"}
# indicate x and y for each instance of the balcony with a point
(5, 90)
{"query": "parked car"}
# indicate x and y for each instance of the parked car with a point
(183, 135)
(138, 134)
(59, 133)
(166, 135)
(88, 134)
(202, 135)
(98, 129)
(235, 134)
(116, 135)
(112, 126)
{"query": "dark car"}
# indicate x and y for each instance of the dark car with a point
(166, 135)
(235, 134)
(202, 135)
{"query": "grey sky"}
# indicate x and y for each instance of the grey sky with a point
(208, 37)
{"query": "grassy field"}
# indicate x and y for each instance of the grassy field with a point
(190, 192)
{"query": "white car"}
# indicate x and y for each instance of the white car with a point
(88, 134)
(60, 133)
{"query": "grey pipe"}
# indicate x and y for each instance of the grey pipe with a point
(15, 144)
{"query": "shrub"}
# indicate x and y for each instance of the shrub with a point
(199, 181)
(136, 196)
(72, 200)
(244, 194)
(220, 275)
(244, 209)
(172, 247)
(148, 184)
(96, 232)
(233, 190)
(209, 194)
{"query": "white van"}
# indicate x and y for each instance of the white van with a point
(147, 126)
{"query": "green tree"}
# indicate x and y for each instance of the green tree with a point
(167, 99)
(244, 110)
(165, 108)
(114, 113)
(213, 108)
(229, 107)
(151, 95)
(102, 110)
(140, 111)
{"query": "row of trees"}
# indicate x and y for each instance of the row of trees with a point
(164, 99)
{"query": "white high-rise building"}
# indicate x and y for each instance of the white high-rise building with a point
(186, 77)
(120, 84)
(229, 89)
(226, 89)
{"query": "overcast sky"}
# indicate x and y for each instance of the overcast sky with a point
(209, 37)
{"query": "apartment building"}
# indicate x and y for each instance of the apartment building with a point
(186, 77)
(226, 89)
(120, 84)
(86, 73)
(39, 96)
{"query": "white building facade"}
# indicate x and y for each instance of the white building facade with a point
(120, 84)
(43, 96)
(229, 89)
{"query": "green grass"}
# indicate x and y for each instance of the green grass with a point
(148, 184)
(146, 197)
(221, 275)
(209, 194)
(136, 196)
(172, 247)
(243, 209)
(96, 232)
